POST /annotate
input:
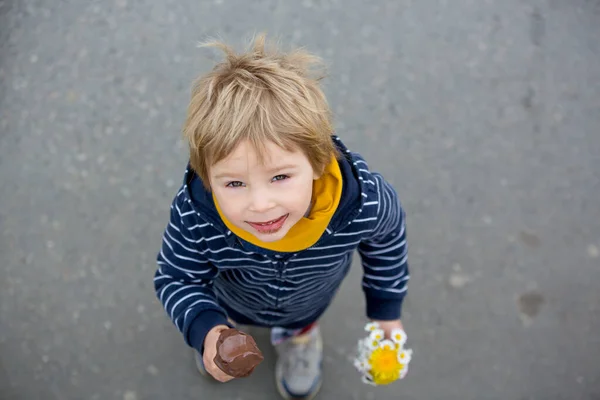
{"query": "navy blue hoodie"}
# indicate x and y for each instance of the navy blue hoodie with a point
(207, 274)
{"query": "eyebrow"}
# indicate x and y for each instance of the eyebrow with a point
(280, 167)
(277, 168)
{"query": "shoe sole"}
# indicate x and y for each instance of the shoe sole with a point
(287, 396)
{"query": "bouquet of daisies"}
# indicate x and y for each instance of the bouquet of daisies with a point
(382, 361)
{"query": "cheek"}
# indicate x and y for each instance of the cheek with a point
(298, 196)
(229, 205)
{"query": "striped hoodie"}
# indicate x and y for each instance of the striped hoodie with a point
(206, 273)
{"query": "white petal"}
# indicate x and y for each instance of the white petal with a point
(359, 365)
(387, 343)
(404, 372)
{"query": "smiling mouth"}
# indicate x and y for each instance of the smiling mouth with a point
(269, 226)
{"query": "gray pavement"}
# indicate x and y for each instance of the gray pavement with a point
(484, 114)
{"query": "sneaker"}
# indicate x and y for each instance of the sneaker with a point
(299, 366)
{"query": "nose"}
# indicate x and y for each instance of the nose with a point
(260, 201)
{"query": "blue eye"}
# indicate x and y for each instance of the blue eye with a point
(280, 177)
(235, 184)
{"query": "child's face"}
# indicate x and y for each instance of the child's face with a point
(263, 199)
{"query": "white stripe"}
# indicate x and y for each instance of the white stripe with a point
(385, 278)
(156, 278)
(365, 219)
(387, 268)
(371, 203)
(353, 233)
(209, 250)
(392, 290)
(399, 281)
(383, 251)
(378, 197)
(217, 262)
(334, 246)
(198, 226)
(214, 237)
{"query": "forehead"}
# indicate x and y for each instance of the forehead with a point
(245, 155)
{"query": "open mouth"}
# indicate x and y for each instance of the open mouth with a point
(269, 226)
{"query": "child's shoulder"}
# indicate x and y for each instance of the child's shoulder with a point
(358, 165)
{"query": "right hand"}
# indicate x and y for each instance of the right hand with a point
(210, 351)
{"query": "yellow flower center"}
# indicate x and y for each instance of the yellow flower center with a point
(385, 367)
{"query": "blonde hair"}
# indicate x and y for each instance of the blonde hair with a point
(262, 95)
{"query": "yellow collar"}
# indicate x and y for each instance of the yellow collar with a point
(327, 191)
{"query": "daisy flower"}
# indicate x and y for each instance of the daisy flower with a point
(371, 326)
(399, 336)
(377, 334)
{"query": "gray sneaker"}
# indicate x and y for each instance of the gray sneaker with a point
(299, 366)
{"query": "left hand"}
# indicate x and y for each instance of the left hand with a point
(389, 326)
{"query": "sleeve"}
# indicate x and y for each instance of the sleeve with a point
(384, 257)
(183, 282)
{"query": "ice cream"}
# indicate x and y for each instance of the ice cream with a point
(237, 353)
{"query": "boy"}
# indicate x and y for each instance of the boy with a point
(272, 207)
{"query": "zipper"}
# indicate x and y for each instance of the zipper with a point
(280, 276)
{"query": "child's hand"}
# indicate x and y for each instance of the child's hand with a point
(210, 351)
(389, 326)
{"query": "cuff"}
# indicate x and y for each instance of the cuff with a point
(202, 325)
(384, 309)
